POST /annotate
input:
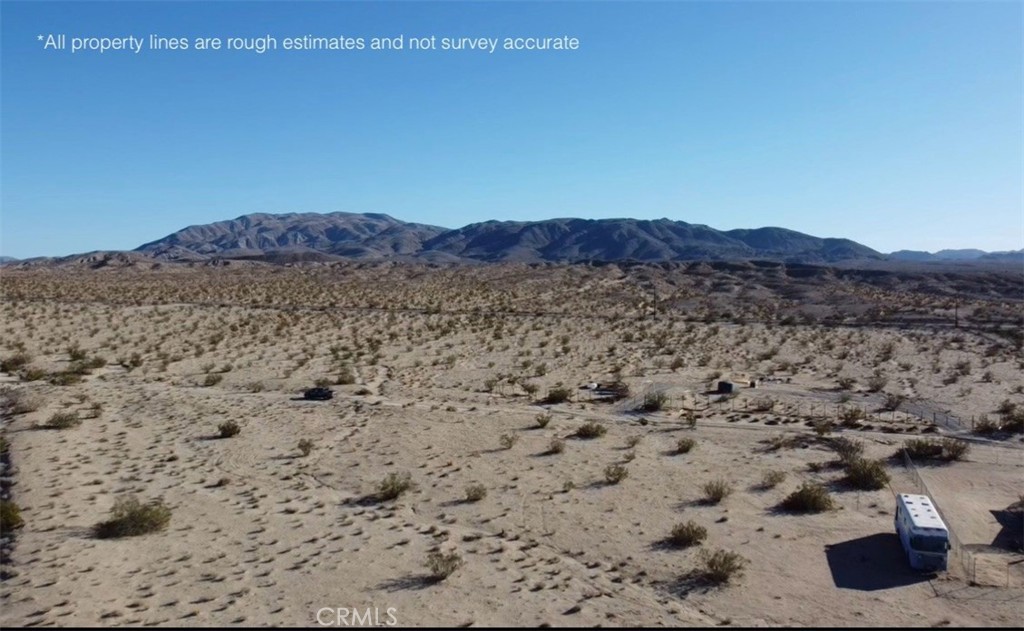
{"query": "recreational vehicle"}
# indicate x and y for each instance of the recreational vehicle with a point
(922, 532)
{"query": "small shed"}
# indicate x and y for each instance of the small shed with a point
(724, 387)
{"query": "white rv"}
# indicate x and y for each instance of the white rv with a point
(922, 532)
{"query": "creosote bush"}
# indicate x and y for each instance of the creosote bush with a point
(935, 449)
(228, 429)
(654, 402)
(687, 534)
(475, 492)
(716, 490)
(10, 517)
(442, 565)
(558, 395)
(847, 449)
(63, 420)
(508, 440)
(721, 566)
(866, 475)
(685, 445)
(771, 479)
(543, 420)
(556, 446)
(811, 497)
(306, 446)
(130, 518)
(591, 429)
(615, 473)
(394, 485)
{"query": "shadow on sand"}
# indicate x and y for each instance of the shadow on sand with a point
(871, 563)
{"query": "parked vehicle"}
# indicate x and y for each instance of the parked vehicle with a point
(318, 394)
(922, 532)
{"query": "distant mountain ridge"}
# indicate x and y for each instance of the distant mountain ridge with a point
(957, 255)
(378, 236)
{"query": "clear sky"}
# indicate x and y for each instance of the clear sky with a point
(896, 124)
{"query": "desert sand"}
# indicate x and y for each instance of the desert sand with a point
(442, 374)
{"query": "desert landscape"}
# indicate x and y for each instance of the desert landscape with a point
(674, 444)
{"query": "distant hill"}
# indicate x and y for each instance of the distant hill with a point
(347, 235)
(956, 255)
(311, 236)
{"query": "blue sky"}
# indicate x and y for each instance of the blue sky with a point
(896, 124)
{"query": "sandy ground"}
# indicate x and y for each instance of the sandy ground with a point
(262, 535)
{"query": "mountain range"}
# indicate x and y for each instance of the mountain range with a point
(297, 237)
(375, 236)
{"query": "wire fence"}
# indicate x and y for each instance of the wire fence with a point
(1000, 570)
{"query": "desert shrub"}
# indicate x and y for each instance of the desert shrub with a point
(771, 479)
(32, 374)
(558, 395)
(954, 449)
(556, 446)
(867, 475)
(986, 426)
(13, 363)
(654, 401)
(936, 449)
(591, 429)
(228, 429)
(893, 401)
(721, 566)
(811, 497)
(615, 473)
(850, 415)
(63, 420)
(212, 380)
(1014, 422)
(130, 518)
(687, 534)
(508, 440)
(1006, 407)
(10, 517)
(822, 427)
(633, 441)
(346, 376)
(475, 492)
(876, 382)
(75, 353)
(845, 383)
(19, 402)
(716, 490)
(322, 382)
(393, 485)
(922, 448)
(443, 565)
(685, 445)
(690, 418)
(847, 449)
(543, 419)
(65, 378)
(306, 446)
